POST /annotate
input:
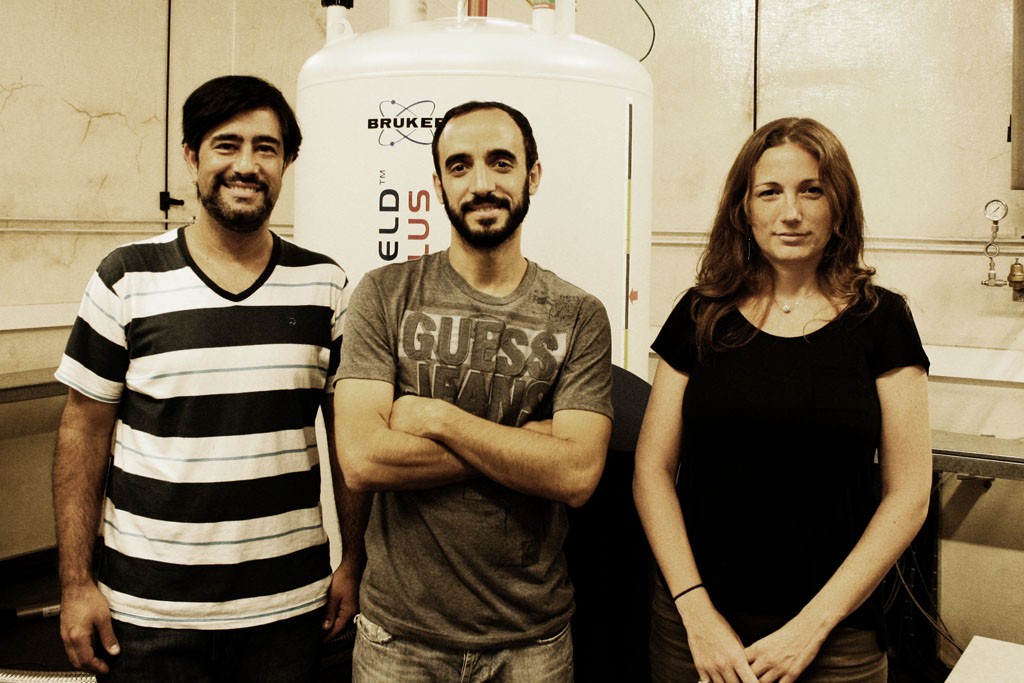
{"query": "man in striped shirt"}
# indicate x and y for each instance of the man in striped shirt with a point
(199, 360)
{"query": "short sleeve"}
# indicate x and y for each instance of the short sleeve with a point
(95, 360)
(895, 341)
(676, 342)
(339, 305)
(585, 382)
(367, 352)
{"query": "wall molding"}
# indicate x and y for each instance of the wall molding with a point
(37, 316)
(969, 246)
(976, 365)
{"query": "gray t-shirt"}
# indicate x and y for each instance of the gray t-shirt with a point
(474, 565)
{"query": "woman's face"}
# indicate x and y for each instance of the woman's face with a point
(789, 213)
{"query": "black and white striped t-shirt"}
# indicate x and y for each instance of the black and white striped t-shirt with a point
(212, 514)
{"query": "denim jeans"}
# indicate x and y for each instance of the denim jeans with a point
(380, 657)
(286, 651)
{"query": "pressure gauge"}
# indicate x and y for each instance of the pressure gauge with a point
(995, 210)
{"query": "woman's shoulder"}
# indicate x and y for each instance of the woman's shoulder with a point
(682, 308)
(891, 302)
(889, 296)
(884, 314)
(875, 301)
(684, 300)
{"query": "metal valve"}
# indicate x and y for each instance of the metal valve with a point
(1016, 279)
(993, 280)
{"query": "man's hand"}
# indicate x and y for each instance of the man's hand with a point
(84, 620)
(342, 601)
(416, 415)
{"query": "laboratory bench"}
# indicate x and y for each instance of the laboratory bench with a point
(978, 456)
(29, 384)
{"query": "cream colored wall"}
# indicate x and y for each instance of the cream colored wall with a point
(919, 90)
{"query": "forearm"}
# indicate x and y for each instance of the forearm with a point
(654, 480)
(79, 473)
(657, 501)
(895, 523)
(716, 649)
(77, 502)
(538, 462)
(661, 515)
(389, 460)
(353, 507)
(376, 457)
(662, 518)
(905, 459)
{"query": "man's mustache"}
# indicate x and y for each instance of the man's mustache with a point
(248, 178)
(479, 201)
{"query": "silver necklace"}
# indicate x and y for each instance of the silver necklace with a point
(787, 308)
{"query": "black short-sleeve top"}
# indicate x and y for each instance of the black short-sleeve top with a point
(776, 478)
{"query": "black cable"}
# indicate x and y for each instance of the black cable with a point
(757, 40)
(936, 623)
(916, 625)
(167, 120)
(166, 200)
(654, 31)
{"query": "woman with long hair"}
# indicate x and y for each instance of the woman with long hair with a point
(781, 374)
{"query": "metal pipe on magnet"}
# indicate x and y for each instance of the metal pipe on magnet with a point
(543, 17)
(401, 12)
(565, 17)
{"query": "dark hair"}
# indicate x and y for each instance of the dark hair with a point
(222, 98)
(732, 267)
(529, 142)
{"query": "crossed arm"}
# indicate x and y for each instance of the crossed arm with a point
(416, 443)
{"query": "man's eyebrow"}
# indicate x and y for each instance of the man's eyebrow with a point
(456, 159)
(267, 138)
(226, 137)
(235, 137)
(495, 154)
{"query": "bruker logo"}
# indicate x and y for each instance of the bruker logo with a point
(398, 122)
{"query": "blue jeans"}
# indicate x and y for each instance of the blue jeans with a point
(286, 651)
(380, 657)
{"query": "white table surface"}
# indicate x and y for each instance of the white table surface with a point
(986, 660)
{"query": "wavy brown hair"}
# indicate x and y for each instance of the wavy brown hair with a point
(732, 267)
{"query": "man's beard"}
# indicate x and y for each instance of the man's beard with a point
(488, 238)
(247, 219)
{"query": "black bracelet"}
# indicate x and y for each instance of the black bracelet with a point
(682, 593)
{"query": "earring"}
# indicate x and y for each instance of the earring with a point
(748, 248)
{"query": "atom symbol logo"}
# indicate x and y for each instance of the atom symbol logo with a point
(405, 122)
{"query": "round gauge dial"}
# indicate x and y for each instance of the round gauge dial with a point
(995, 210)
